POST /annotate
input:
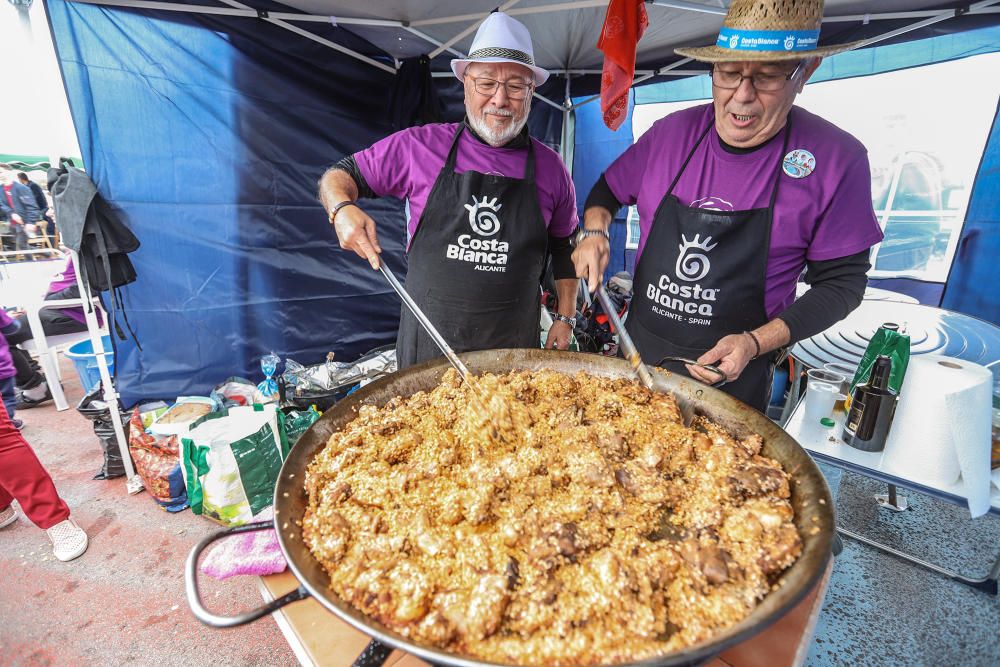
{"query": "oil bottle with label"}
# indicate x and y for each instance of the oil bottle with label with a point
(873, 405)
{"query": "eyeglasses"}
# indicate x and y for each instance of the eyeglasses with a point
(515, 89)
(762, 81)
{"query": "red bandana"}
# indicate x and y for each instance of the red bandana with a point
(623, 27)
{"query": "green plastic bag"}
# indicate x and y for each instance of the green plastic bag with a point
(894, 345)
(296, 423)
(231, 461)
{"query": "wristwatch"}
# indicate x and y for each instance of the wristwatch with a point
(584, 233)
(571, 321)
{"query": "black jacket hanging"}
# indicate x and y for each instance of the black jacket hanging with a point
(89, 226)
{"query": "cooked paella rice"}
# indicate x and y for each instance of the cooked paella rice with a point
(606, 531)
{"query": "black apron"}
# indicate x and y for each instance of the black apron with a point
(701, 277)
(475, 263)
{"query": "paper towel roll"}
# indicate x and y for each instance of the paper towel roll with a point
(941, 431)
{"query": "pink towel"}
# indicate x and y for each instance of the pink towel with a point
(247, 553)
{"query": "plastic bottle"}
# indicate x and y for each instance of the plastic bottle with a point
(873, 405)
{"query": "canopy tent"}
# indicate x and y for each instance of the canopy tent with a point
(207, 126)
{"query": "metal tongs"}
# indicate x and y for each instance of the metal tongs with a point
(632, 354)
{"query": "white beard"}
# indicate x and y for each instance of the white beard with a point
(493, 137)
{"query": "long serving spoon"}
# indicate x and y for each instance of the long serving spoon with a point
(439, 340)
(426, 324)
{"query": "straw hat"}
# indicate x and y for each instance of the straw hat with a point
(501, 39)
(768, 30)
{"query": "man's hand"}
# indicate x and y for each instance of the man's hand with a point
(16, 219)
(731, 354)
(590, 259)
(356, 231)
(559, 335)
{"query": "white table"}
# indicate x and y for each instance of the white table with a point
(825, 445)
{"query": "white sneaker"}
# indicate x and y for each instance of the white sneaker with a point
(68, 540)
(8, 516)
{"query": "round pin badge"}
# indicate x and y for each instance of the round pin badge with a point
(799, 163)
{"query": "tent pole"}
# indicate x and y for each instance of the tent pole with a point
(542, 9)
(635, 82)
(567, 140)
(242, 11)
(110, 394)
(861, 18)
(939, 17)
(688, 6)
(316, 38)
(424, 36)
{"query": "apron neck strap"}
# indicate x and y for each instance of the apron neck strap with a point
(449, 164)
(690, 155)
(781, 160)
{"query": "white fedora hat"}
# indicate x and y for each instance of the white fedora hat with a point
(501, 39)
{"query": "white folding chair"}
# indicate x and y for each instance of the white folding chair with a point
(48, 347)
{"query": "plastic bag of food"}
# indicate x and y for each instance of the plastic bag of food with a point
(234, 391)
(231, 460)
(158, 464)
(178, 417)
(267, 391)
(298, 422)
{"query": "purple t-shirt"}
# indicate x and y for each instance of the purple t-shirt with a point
(407, 163)
(7, 369)
(66, 279)
(825, 215)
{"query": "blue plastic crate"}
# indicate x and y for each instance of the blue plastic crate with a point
(85, 362)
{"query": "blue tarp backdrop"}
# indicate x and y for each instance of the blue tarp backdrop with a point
(210, 140)
(209, 137)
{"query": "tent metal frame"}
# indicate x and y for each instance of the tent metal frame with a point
(284, 20)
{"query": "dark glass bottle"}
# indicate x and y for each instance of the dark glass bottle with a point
(872, 407)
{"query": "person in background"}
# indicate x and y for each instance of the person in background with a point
(487, 205)
(19, 206)
(46, 224)
(735, 198)
(31, 384)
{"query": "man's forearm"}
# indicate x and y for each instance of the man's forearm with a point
(566, 290)
(597, 217)
(336, 186)
(772, 335)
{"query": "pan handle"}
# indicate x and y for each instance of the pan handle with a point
(374, 655)
(194, 597)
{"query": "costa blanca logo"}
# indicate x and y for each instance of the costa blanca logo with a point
(692, 265)
(483, 216)
(789, 42)
(733, 41)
